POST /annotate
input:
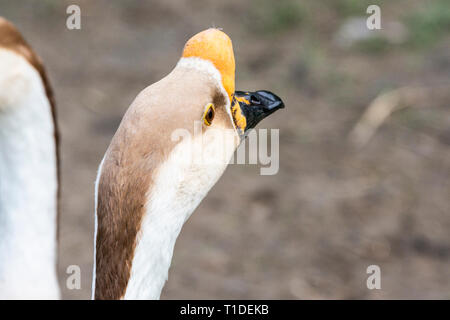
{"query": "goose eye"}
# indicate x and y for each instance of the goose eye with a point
(208, 115)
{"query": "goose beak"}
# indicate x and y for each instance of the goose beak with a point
(249, 108)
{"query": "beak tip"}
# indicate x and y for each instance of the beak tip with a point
(274, 102)
(277, 105)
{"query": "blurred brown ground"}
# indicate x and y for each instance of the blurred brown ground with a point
(311, 230)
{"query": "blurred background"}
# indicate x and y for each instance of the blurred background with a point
(343, 198)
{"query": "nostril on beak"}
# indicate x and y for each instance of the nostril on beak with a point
(254, 100)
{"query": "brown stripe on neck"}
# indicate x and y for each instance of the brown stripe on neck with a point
(11, 39)
(125, 178)
(122, 191)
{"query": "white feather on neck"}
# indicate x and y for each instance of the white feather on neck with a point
(179, 187)
(28, 184)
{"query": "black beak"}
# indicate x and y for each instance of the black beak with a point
(257, 105)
